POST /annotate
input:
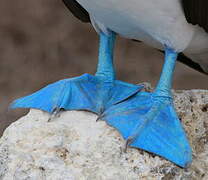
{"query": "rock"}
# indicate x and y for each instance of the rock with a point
(75, 146)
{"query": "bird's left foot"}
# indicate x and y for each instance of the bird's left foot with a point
(149, 122)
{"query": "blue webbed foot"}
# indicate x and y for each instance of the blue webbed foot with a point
(148, 120)
(150, 123)
(86, 92)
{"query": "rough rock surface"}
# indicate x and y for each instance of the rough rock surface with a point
(75, 146)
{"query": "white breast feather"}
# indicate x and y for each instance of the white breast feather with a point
(155, 22)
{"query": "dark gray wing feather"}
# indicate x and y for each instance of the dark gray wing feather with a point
(77, 10)
(196, 12)
(187, 61)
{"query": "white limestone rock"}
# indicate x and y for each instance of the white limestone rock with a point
(76, 147)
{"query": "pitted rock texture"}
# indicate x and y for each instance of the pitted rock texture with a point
(76, 147)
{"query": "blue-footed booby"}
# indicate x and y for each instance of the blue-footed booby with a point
(146, 120)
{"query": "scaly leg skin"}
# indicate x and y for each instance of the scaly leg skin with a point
(148, 120)
(86, 92)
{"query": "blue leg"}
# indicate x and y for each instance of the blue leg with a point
(86, 92)
(148, 120)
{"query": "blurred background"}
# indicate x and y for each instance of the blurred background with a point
(41, 42)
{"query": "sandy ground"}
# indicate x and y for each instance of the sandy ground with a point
(40, 42)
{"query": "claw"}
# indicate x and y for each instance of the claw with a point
(127, 143)
(55, 114)
(99, 118)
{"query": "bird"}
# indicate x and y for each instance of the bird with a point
(146, 120)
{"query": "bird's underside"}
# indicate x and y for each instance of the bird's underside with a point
(192, 43)
(146, 120)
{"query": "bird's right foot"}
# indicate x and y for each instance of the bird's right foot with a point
(86, 92)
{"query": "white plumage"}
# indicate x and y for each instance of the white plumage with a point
(155, 22)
